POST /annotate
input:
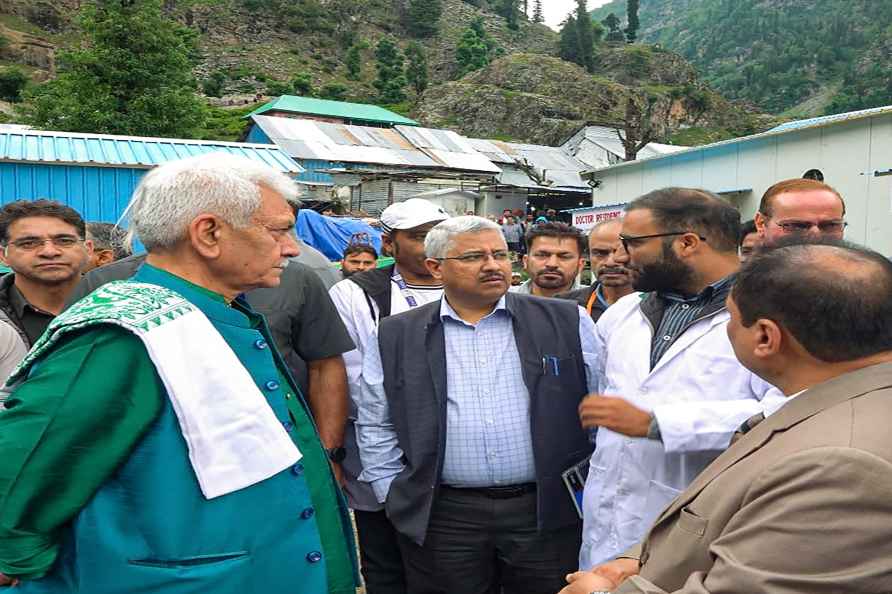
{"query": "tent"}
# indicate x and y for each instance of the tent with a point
(332, 235)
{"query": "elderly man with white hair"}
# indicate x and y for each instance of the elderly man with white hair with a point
(468, 418)
(154, 440)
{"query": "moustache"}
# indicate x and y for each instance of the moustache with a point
(492, 277)
(557, 271)
(614, 270)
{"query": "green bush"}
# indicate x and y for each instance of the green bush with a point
(12, 82)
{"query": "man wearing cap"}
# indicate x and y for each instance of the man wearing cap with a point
(363, 300)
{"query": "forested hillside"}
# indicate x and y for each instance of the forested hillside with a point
(803, 57)
(194, 68)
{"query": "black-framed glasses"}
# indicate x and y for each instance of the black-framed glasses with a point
(806, 226)
(625, 239)
(480, 257)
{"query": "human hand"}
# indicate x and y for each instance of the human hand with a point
(586, 582)
(607, 576)
(616, 414)
(5, 580)
(618, 570)
(338, 473)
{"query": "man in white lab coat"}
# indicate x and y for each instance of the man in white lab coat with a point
(672, 391)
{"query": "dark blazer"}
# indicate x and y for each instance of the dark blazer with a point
(413, 355)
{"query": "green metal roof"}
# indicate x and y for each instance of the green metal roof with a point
(335, 109)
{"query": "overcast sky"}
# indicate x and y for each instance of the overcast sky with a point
(557, 10)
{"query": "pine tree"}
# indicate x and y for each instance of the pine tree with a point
(391, 77)
(584, 37)
(423, 17)
(632, 26)
(475, 49)
(614, 35)
(354, 63)
(509, 10)
(416, 71)
(568, 48)
(132, 75)
(538, 14)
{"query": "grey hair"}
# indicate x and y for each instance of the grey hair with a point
(439, 239)
(169, 197)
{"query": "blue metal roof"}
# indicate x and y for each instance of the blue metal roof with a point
(71, 148)
(830, 119)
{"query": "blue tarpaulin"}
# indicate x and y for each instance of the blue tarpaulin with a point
(331, 235)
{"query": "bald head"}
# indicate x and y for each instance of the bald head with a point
(603, 241)
(830, 295)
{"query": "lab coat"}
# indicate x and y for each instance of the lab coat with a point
(699, 394)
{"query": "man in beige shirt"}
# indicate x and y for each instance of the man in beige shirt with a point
(800, 503)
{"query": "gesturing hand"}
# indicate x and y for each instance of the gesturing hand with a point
(606, 577)
(5, 580)
(616, 414)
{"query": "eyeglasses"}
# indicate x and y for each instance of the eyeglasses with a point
(479, 257)
(806, 226)
(29, 244)
(635, 239)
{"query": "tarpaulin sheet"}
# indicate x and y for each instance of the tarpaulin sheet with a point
(331, 235)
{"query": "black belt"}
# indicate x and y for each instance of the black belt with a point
(506, 492)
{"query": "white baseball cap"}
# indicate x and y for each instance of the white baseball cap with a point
(411, 213)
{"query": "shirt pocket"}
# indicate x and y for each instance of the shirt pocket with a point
(659, 496)
(691, 522)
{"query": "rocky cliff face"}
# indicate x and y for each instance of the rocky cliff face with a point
(537, 99)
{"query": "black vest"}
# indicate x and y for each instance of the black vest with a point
(375, 283)
(413, 356)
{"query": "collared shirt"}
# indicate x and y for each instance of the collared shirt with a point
(32, 320)
(468, 465)
(681, 312)
(526, 287)
(487, 403)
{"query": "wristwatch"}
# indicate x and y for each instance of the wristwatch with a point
(337, 454)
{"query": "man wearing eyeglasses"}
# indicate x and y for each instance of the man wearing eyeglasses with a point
(800, 207)
(44, 244)
(671, 393)
(468, 418)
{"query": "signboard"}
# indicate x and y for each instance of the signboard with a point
(588, 218)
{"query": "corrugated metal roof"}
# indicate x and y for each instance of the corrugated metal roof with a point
(401, 146)
(830, 119)
(334, 109)
(782, 129)
(73, 148)
(561, 170)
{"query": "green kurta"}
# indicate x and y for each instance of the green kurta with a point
(61, 438)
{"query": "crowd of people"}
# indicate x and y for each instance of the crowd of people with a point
(223, 413)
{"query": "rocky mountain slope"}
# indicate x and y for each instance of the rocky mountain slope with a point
(252, 49)
(531, 98)
(801, 57)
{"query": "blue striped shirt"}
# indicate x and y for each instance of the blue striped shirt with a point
(681, 312)
(488, 438)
